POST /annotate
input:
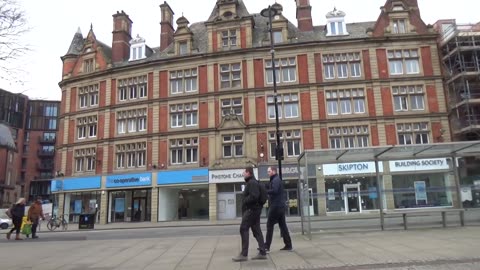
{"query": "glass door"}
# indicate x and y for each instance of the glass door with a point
(292, 202)
(352, 199)
(138, 209)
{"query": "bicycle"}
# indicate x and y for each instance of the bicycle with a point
(57, 222)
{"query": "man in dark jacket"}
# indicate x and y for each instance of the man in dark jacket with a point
(276, 211)
(251, 209)
(17, 211)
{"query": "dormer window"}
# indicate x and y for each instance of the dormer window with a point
(137, 48)
(88, 65)
(277, 36)
(229, 38)
(399, 26)
(182, 48)
(336, 23)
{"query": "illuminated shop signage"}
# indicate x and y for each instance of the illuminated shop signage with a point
(228, 176)
(351, 168)
(129, 180)
(418, 165)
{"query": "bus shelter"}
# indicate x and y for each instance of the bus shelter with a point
(374, 179)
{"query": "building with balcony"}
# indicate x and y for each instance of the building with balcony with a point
(157, 133)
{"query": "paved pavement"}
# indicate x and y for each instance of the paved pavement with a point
(422, 249)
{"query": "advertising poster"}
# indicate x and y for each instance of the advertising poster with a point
(372, 193)
(119, 205)
(77, 207)
(420, 191)
(331, 194)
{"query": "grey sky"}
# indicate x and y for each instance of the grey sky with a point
(54, 23)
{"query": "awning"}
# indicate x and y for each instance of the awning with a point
(386, 153)
(6, 138)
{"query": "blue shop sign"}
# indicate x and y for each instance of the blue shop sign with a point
(183, 177)
(81, 183)
(129, 180)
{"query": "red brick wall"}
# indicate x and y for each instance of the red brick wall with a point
(306, 106)
(427, 61)
(321, 105)
(318, 68)
(371, 102)
(149, 154)
(101, 126)
(302, 69)
(99, 160)
(163, 84)
(215, 78)
(68, 65)
(308, 139)
(432, 99)
(374, 133)
(103, 94)
(217, 112)
(163, 118)
(391, 134)
(113, 123)
(367, 67)
(203, 113)
(436, 132)
(150, 85)
(258, 73)
(324, 138)
(111, 158)
(387, 101)
(163, 154)
(113, 94)
(204, 154)
(202, 79)
(73, 99)
(150, 121)
(60, 134)
(260, 107)
(244, 74)
(69, 165)
(63, 103)
(71, 131)
(246, 112)
(382, 63)
(214, 41)
(243, 37)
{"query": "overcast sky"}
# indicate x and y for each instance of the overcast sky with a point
(54, 23)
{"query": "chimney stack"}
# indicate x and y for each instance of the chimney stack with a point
(122, 31)
(304, 15)
(166, 26)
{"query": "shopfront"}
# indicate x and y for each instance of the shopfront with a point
(129, 197)
(183, 195)
(81, 196)
(351, 187)
(290, 176)
(422, 183)
(230, 185)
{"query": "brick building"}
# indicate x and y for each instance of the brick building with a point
(28, 171)
(163, 133)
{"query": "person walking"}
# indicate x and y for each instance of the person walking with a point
(251, 211)
(35, 212)
(276, 211)
(17, 211)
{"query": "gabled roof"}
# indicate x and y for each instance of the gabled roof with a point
(76, 45)
(241, 11)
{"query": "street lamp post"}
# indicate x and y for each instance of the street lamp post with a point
(269, 13)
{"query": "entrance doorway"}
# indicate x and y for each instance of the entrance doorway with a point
(138, 209)
(226, 206)
(292, 202)
(352, 198)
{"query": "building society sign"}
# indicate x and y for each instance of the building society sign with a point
(351, 168)
(419, 165)
(228, 176)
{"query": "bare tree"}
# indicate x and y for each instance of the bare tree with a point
(13, 25)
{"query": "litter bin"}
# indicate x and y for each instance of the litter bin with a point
(86, 221)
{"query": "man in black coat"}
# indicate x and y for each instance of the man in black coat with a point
(251, 209)
(276, 211)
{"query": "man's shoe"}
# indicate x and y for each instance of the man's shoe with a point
(34, 237)
(240, 258)
(260, 256)
(267, 250)
(287, 248)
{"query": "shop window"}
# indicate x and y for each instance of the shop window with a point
(421, 190)
(285, 70)
(183, 81)
(348, 137)
(290, 140)
(346, 101)
(82, 203)
(288, 106)
(403, 62)
(85, 160)
(132, 121)
(408, 98)
(342, 65)
(232, 145)
(184, 115)
(87, 127)
(132, 88)
(230, 75)
(184, 151)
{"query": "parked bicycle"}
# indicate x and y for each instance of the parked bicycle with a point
(57, 222)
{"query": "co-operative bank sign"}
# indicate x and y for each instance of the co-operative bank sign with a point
(129, 180)
(227, 176)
